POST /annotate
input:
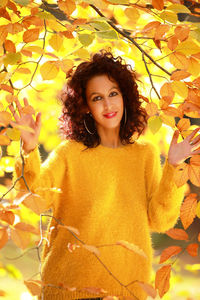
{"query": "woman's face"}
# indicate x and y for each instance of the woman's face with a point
(105, 102)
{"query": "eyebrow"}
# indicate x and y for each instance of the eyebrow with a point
(95, 93)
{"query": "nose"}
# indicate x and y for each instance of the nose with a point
(107, 103)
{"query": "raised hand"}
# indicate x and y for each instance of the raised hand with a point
(29, 139)
(178, 152)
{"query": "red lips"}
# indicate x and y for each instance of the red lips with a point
(110, 115)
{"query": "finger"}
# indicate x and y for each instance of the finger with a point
(19, 107)
(191, 135)
(196, 152)
(196, 146)
(175, 137)
(195, 140)
(15, 115)
(25, 101)
(38, 120)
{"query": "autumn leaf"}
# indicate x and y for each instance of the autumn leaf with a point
(183, 124)
(180, 88)
(179, 60)
(182, 32)
(150, 291)
(162, 280)
(4, 140)
(92, 249)
(32, 201)
(179, 75)
(161, 31)
(169, 252)
(20, 238)
(67, 6)
(150, 26)
(172, 43)
(34, 287)
(194, 173)
(188, 211)
(192, 249)
(5, 118)
(49, 70)
(132, 247)
(56, 42)
(70, 228)
(158, 4)
(177, 234)
(151, 108)
(9, 46)
(3, 237)
(199, 237)
(31, 35)
(167, 92)
(27, 227)
(7, 216)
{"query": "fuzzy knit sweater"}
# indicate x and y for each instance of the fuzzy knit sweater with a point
(109, 195)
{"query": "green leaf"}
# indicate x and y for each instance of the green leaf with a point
(179, 8)
(12, 58)
(86, 39)
(102, 26)
(108, 34)
(169, 16)
(22, 2)
(154, 124)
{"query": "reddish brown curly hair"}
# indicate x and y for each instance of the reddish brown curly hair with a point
(74, 101)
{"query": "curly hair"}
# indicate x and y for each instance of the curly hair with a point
(73, 97)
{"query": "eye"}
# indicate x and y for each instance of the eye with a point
(97, 98)
(114, 93)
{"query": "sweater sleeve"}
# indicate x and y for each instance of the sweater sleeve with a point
(164, 197)
(42, 178)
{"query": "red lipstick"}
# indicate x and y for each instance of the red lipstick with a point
(110, 115)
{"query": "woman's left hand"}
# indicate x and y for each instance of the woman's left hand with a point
(178, 152)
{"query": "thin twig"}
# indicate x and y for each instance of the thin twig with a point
(150, 77)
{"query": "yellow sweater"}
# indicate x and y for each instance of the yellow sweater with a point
(108, 195)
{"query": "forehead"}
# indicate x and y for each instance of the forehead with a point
(99, 83)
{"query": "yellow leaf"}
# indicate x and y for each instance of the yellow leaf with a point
(132, 13)
(49, 70)
(82, 53)
(183, 124)
(188, 47)
(56, 42)
(35, 49)
(188, 210)
(65, 65)
(168, 120)
(5, 118)
(179, 8)
(131, 247)
(20, 238)
(13, 134)
(12, 58)
(181, 174)
(194, 66)
(3, 3)
(180, 88)
(23, 71)
(4, 140)
(154, 124)
(179, 60)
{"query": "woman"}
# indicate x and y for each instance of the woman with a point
(111, 184)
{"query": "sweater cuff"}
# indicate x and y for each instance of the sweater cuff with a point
(31, 162)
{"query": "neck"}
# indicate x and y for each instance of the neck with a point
(110, 138)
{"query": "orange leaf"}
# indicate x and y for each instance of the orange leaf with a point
(11, 98)
(179, 60)
(6, 88)
(26, 53)
(3, 237)
(183, 124)
(67, 6)
(161, 31)
(32, 201)
(27, 227)
(194, 174)
(182, 32)
(179, 75)
(172, 111)
(162, 280)
(70, 228)
(158, 4)
(7, 216)
(150, 26)
(34, 287)
(9, 46)
(195, 160)
(131, 247)
(23, 71)
(172, 43)
(3, 33)
(4, 140)
(151, 108)
(177, 234)
(20, 238)
(92, 249)
(169, 252)
(148, 289)
(188, 211)
(167, 92)
(31, 35)
(14, 28)
(192, 249)
(5, 118)
(181, 174)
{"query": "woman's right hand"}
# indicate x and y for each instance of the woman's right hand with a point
(29, 139)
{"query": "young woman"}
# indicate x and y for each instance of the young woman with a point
(112, 188)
